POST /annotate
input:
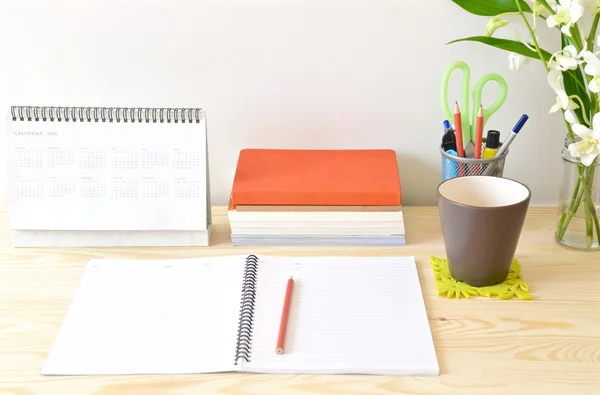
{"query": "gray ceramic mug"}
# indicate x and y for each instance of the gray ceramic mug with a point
(482, 218)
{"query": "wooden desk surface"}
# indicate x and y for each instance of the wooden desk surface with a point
(550, 345)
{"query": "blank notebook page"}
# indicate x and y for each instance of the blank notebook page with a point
(144, 316)
(348, 315)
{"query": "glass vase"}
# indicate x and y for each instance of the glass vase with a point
(579, 203)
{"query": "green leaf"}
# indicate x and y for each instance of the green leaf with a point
(573, 81)
(507, 45)
(573, 88)
(491, 7)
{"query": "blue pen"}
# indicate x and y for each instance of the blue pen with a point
(447, 126)
(512, 135)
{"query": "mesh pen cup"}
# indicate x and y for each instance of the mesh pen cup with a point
(453, 166)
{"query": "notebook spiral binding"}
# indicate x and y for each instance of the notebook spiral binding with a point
(105, 114)
(246, 320)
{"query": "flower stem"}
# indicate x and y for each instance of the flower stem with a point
(592, 35)
(591, 215)
(582, 193)
(573, 206)
(535, 42)
(583, 110)
(575, 193)
(589, 230)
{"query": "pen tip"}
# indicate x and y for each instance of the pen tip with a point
(520, 124)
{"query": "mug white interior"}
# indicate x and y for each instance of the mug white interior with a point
(483, 191)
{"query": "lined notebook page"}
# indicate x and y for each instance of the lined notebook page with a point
(151, 317)
(348, 315)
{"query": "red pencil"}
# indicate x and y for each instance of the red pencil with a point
(478, 134)
(460, 150)
(284, 316)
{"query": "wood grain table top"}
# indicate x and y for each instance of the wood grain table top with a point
(549, 345)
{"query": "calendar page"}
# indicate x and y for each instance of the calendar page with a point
(108, 175)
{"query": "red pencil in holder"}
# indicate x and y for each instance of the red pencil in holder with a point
(478, 139)
(459, 138)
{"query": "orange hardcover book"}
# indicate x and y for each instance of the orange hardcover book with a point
(366, 177)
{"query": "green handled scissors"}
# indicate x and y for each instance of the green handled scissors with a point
(469, 124)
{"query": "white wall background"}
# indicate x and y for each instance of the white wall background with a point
(280, 74)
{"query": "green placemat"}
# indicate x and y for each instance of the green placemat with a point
(513, 286)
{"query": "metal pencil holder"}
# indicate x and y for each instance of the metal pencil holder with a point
(453, 166)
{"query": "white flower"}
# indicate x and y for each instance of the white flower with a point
(589, 147)
(563, 101)
(568, 13)
(592, 68)
(567, 59)
(516, 61)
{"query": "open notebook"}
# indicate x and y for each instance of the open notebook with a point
(362, 315)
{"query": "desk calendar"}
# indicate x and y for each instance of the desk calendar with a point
(108, 176)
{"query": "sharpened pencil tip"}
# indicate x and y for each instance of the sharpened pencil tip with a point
(456, 108)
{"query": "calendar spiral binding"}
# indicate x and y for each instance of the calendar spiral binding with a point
(244, 336)
(106, 114)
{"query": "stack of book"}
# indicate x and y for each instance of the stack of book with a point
(316, 197)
